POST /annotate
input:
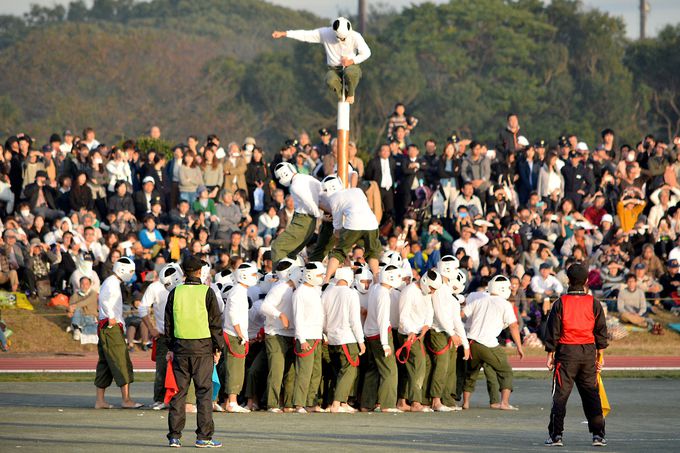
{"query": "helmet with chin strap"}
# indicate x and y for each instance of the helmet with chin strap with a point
(224, 277)
(284, 172)
(448, 265)
(124, 269)
(458, 282)
(346, 274)
(391, 275)
(342, 27)
(247, 274)
(332, 184)
(283, 268)
(432, 280)
(171, 275)
(361, 275)
(313, 273)
(500, 286)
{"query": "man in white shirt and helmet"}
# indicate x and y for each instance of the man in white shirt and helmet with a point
(345, 50)
(382, 371)
(486, 317)
(342, 324)
(156, 296)
(305, 191)
(114, 359)
(308, 318)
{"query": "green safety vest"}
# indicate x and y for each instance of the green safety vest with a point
(190, 313)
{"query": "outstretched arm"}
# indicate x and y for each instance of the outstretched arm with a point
(313, 36)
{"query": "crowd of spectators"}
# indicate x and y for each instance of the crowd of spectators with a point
(523, 208)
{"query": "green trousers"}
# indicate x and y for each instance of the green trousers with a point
(348, 238)
(441, 363)
(161, 368)
(416, 368)
(325, 241)
(294, 238)
(114, 360)
(307, 375)
(234, 367)
(494, 358)
(281, 363)
(352, 78)
(345, 372)
(256, 374)
(492, 386)
(382, 375)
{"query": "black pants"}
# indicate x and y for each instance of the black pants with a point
(387, 197)
(199, 369)
(576, 364)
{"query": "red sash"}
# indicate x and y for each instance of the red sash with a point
(238, 356)
(349, 357)
(407, 346)
(377, 337)
(442, 350)
(305, 353)
(103, 323)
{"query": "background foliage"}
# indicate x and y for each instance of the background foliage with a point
(210, 66)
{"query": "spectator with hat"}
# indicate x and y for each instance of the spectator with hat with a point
(324, 145)
(42, 197)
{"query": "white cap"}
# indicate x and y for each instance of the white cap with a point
(581, 146)
(148, 179)
(607, 218)
(522, 141)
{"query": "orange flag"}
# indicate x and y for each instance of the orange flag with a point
(171, 388)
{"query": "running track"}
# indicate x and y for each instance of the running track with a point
(142, 363)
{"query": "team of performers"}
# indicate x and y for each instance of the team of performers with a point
(306, 338)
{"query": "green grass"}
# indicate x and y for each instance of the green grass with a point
(149, 377)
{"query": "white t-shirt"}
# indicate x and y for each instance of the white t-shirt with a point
(111, 300)
(342, 315)
(378, 317)
(279, 300)
(308, 313)
(353, 46)
(155, 296)
(351, 211)
(236, 311)
(487, 316)
(305, 191)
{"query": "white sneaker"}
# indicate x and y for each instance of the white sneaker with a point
(301, 410)
(217, 407)
(235, 408)
(455, 408)
(389, 410)
(158, 406)
(76, 334)
(275, 410)
(443, 408)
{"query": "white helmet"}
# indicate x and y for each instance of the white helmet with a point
(346, 274)
(332, 184)
(499, 286)
(458, 282)
(205, 273)
(361, 275)
(284, 172)
(448, 265)
(431, 279)
(171, 275)
(314, 273)
(391, 257)
(247, 275)
(124, 269)
(342, 27)
(283, 268)
(391, 275)
(296, 275)
(224, 277)
(267, 281)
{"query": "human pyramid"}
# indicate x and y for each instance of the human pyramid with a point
(300, 339)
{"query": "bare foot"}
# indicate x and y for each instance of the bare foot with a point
(350, 99)
(507, 407)
(466, 406)
(103, 405)
(131, 405)
(495, 406)
(404, 407)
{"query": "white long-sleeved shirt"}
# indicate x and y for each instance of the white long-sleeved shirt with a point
(540, 285)
(472, 246)
(155, 296)
(353, 46)
(378, 317)
(351, 211)
(447, 315)
(256, 319)
(218, 295)
(487, 317)
(395, 294)
(308, 313)
(342, 314)
(279, 300)
(111, 300)
(236, 311)
(413, 310)
(118, 171)
(305, 191)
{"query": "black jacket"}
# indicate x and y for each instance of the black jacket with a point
(117, 204)
(556, 325)
(31, 194)
(373, 170)
(201, 347)
(577, 178)
(139, 199)
(80, 197)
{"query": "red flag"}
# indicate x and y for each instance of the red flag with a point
(171, 388)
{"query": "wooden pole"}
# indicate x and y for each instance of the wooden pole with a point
(343, 140)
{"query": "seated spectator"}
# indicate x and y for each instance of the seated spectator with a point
(471, 241)
(121, 201)
(38, 265)
(42, 197)
(83, 309)
(670, 282)
(545, 285)
(229, 216)
(267, 224)
(653, 264)
(630, 207)
(150, 237)
(631, 304)
(80, 195)
(467, 198)
(252, 242)
(647, 283)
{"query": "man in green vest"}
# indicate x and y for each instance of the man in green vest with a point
(193, 332)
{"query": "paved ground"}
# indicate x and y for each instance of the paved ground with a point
(142, 361)
(56, 417)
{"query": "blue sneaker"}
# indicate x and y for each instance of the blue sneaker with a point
(174, 443)
(208, 444)
(554, 442)
(599, 441)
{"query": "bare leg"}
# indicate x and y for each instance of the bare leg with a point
(125, 395)
(505, 401)
(333, 264)
(101, 400)
(402, 406)
(466, 400)
(374, 265)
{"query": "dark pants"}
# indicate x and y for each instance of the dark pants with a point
(387, 197)
(199, 369)
(576, 364)
(161, 367)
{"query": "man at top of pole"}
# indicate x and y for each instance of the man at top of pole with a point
(345, 50)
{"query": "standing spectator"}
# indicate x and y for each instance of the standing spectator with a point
(382, 170)
(508, 137)
(190, 178)
(234, 169)
(213, 171)
(476, 169)
(551, 182)
(413, 175)
(119, 170)
(471, 241)
(528, 172)
(400, 118)
(258, 181)
(578, 180)
(43, 198)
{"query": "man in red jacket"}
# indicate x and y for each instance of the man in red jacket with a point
(575, 340)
